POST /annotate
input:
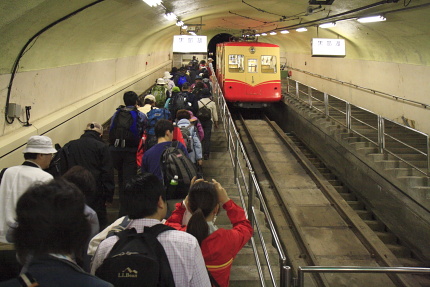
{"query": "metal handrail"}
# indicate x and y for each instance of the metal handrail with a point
(357, 269)
(252, 187)
(382, 135)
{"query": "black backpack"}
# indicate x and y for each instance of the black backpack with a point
(60, 163)
(124, 131)
(138, 259)
(175, 162)
(177, 102)
(204, 113)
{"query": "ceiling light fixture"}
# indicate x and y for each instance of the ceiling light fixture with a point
(285, 32)
(153, 3)
(303, 29)
(327, 25)
(273, 33)
(185, 27)
(263, 34)
(257, 35)
(192, 33)
(370, 19)
(179, 23)
(170, 16)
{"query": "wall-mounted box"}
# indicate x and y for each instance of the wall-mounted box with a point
(14, 110)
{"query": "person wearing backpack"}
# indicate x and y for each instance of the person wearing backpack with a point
(125, 132)
(193, 106)
(160, 92)
(178, 101)
(167, 159)
(189, 133)
(219, 246)
(208, 116)
(154, 115)
(181, 77)
(146, 207)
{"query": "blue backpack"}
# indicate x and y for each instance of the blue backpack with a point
(182, 80)
(153, 117)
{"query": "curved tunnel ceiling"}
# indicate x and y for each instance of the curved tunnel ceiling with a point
(119, 28)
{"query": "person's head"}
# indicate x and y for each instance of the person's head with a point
(203, 204)
(161, 82)
(198, 78)
(182, 70)
(175, 90)
(199, 85)
(39, 149)
(144, 196)
(51, 219)
(149, 100)
(130, 98)
(167, 75)
(163, 128)
(183, 114)
(174, 70)
(93, 126)
(83, 179)
(210, 60)
(186, 86)
(203, 62)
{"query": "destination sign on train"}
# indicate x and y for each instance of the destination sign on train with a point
(189, 44)
(328, 47)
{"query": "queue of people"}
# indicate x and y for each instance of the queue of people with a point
(53, 206)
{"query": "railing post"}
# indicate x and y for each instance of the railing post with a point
(251, 194)
(300, 277)
(228, 132)
(297, 90)
(285, 280)
(236, 163)
(310, 96)
(327, 111)
(348, 116)
(381, 134)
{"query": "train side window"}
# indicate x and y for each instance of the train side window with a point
(252, 65)
(269, 64)
(236, 63)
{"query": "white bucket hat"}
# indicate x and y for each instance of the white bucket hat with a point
(39, 144)
(151, 97)
(160, 81)
(167, 75)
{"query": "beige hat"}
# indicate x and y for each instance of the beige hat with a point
(93, 126)
(210, 59)
(39, 144)
(160, 81)
(167, 75)
(150, 97)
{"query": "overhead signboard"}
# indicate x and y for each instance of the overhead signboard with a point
(190, 44)
(328, 47)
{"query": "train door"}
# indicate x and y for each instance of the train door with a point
(252, 77)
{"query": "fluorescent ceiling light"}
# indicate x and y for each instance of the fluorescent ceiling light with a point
(272, 33)
(185, 27)
(377, 18)
(170, 16)
(328, 25)
(257, 35)
(303, 29)
(263, 34)
(192, 33)
(152, 3)
(179, 23)
(284, 32)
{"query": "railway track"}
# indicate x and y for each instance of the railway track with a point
(317, 227)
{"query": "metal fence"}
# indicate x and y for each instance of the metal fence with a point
(404, 143)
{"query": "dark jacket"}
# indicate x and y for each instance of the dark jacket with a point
(91, 152)
(53, 272)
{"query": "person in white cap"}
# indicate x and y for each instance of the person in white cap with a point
(169, 82)
(148, 104)
(16, 180)
(160, 92)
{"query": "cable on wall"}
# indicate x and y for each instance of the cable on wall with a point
(25, 50)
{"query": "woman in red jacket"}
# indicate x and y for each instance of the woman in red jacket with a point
(219, 246)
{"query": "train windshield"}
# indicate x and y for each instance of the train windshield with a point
(236, 63)
(268, 64)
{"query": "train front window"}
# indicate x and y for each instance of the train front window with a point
(252, 65)
(236, 63)
(269, 64)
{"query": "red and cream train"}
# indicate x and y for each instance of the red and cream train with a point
(248, 73)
